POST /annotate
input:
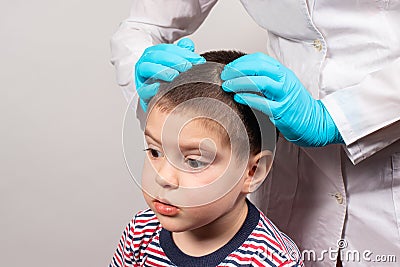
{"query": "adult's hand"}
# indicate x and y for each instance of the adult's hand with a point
(262, 83)
(163, 62)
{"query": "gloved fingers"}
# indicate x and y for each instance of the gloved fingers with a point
(248, 65)
(252, 68)
(147, 91)
(256, 102)
(176, 50)
(256, 57)
(255, 84)
(156, 71)
(167, 59)
(186, 43)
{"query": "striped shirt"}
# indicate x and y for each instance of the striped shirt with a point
(257, 243)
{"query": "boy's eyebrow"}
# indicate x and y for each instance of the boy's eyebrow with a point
(147, 133)
(206, 150)
(195, 145)
(192, 145)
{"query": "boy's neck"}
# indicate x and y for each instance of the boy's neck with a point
(211, 237)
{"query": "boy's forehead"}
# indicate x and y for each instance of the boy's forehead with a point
(204, 116)
(186, 125)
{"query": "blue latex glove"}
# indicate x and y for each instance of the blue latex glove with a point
(163, 62)
(262, 83)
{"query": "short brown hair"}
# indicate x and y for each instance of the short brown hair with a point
(203, 81)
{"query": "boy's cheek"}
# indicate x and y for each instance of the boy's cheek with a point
(192, 194)
(148, 181)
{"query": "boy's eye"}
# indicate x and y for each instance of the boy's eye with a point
(154, 153)
(196, 164)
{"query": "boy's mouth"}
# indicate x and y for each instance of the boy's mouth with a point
(164, 208)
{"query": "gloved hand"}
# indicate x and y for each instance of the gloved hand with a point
(163, 62)
(262, 83)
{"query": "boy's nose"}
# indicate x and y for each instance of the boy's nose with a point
(167, 176)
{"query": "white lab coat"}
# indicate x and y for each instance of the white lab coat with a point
(346, 53)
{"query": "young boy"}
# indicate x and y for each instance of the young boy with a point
(205, 153)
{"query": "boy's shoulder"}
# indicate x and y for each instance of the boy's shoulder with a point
(141, 233)
(145, 219)
(146, 215)
(272, 245)
(143, 226)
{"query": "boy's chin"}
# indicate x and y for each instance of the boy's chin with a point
(172, 224)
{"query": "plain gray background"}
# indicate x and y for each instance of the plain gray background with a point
(65, 193)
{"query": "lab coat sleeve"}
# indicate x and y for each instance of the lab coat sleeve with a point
(368, 114)
(152, 22)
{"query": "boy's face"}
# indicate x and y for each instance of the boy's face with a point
(189, 178)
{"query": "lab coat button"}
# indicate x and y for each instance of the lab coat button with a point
(339, 198)
(317, 44)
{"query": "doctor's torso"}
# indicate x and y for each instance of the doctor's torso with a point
(330, 44)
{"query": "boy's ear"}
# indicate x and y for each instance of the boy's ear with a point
(258, 168)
